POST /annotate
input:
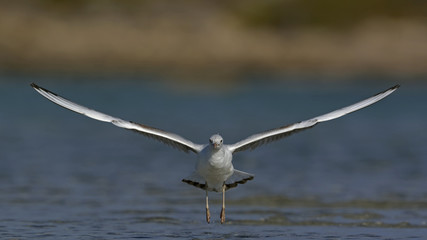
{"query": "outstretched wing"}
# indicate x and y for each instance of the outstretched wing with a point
(278, 133)
(165, 137)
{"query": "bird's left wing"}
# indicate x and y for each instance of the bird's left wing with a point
(165, 137)
(278, 133)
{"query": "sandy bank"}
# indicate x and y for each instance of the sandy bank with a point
(184, 40)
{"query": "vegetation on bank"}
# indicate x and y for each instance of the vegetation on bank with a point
(214, 36)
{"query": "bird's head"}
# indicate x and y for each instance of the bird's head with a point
(216, 141)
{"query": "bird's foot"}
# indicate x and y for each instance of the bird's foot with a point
(208, 215)
(222, 216)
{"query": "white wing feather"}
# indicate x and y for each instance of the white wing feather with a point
(165, 137)
(275, 134)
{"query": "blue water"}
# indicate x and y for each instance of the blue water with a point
(65, 176)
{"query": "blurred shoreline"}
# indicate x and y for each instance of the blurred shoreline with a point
(200, 39)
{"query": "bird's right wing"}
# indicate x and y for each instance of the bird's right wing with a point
(165, 137)
(278, 133)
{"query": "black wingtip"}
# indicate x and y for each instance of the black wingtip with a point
(38, 88)
(392, 89)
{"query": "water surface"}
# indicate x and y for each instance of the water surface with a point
(64, 176)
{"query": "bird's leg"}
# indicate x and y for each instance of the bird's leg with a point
(222, 216)
(208, 215)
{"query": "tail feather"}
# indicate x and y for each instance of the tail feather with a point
(237, 178)
(196, 180)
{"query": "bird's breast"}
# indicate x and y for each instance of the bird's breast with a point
(219, 159)
(215, 166)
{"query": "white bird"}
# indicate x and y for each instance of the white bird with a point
(214, 169)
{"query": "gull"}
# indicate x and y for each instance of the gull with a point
(214, 170)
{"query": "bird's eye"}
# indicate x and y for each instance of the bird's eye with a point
(221, 141)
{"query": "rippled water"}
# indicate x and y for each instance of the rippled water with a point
(64, 176)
